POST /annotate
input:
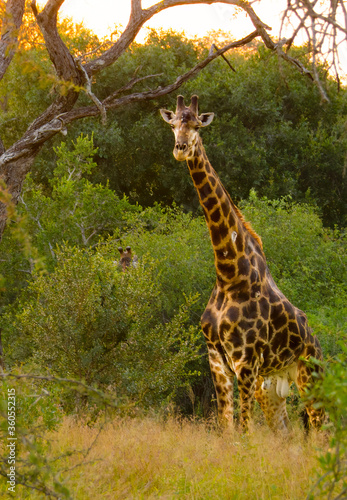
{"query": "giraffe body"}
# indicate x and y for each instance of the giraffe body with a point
(251, 329)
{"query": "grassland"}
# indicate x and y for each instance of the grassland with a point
(148, 459)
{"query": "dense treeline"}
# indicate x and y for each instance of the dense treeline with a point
(271, 131)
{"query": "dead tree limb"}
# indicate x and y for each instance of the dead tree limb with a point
(9, 32)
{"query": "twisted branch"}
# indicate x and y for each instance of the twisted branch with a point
(9, 33)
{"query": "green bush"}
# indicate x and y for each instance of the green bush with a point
(74, 210)
(330, 391)
(179, 245)
(36, 408)
(307, 261)
(90, 321)
(271, 131)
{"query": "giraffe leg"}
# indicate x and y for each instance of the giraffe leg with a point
(267, 394)
(223, 379)
(303, 380)
(246, 381)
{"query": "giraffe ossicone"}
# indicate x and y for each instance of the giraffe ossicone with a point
(251, 329)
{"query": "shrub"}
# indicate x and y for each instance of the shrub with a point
(331, 392)
(90, 321)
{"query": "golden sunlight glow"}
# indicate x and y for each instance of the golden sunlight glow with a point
(102, 16)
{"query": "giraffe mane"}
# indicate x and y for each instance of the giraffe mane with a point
(246, 225)
(252, 232)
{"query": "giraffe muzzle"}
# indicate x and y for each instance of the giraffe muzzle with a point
(180, 151)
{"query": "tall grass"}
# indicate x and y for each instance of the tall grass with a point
(148, 459)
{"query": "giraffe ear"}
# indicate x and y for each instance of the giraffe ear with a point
(167, 115)
(206, 119)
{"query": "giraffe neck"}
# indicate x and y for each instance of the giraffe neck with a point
(233, 240)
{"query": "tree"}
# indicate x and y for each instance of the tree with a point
(77, 211)
(73, 75)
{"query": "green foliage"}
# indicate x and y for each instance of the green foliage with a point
(330, 391)
(269, 129)
(270, 132)
(136, 332)
(300, 251)
(95, 319)
(76, 211)
(86, 309)
(87, 320)
(72, 164)
(179, 244)
(16, 248)
(24, 93)
(70, 210)
(35, 411)
(307, 261)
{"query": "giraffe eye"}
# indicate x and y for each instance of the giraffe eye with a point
(172, 126)
(197, 127)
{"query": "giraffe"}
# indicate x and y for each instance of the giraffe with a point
(127, 258)
(251, 329)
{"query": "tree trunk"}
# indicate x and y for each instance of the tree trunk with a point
(13, 177)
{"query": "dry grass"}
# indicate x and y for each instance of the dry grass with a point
(147, 459)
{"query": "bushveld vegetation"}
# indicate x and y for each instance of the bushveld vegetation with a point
(110, 368)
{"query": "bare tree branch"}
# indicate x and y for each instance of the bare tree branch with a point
(88, 89)
(61, 58)
(58, 52)
(131, 84)
(139, 17)
(52, 8)
(9, 32)
(213, 48)
(35, 138)
(330, 19)
(136, 9)
(320, 22)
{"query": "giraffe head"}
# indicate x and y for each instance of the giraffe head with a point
(126, 258)
(185, 123)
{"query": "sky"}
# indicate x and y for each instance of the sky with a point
(101, 16)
